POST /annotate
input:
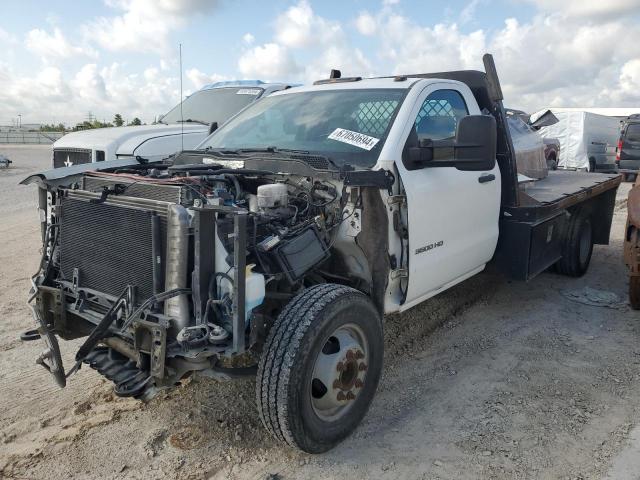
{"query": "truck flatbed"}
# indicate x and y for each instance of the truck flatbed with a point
(532, 233)
(567, 188)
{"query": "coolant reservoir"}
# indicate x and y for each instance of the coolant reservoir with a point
(254, 293)
(272, 195)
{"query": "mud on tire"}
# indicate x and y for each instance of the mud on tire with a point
(314, 330)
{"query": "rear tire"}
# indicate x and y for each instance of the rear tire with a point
(320, 367)
(592, 166)
(634, 292)
(578, 247)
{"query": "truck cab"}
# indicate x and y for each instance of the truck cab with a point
(183, 127)
(290, 232)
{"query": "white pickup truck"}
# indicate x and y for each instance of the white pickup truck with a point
(202, 112)
(290, 233)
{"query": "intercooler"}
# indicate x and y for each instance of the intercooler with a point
(151, 191)
(107, 246)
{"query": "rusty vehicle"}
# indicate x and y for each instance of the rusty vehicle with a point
(632, 245)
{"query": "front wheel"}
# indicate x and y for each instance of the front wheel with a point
(320, 367)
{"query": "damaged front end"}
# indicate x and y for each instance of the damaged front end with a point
(168, 270)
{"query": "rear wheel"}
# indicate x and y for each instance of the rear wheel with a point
(592, 165)
(578, 247)
(320, 368)
(634, 292)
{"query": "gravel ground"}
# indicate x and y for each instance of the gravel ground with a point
(492, 379)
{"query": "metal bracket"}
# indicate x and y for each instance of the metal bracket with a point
(239, 280)
(399, 273)
(75, 281)
(396, 199)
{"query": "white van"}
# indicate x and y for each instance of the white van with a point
(201, 113)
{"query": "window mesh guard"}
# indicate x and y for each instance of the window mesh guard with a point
(373, 118)
(435, 108)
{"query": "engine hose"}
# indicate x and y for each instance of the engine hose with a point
(236, 184)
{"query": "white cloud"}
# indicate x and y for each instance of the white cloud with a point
(300, 30)
(553, 59)
(50, 96)
(299, 27)
(468, 13)
(269, 61)
(89, 84)
(248, 38)
(54, 45)
(6, 37)
(144, 25)
(199, 79)
(390, 2)
(589, 8)
(366, 24)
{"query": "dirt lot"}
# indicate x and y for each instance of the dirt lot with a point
(493, 379)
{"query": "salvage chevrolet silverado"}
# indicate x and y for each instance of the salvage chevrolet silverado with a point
(276, 248)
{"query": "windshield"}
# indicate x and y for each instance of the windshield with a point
(348, 126)
(213, 105)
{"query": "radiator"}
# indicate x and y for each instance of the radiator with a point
(110, 243)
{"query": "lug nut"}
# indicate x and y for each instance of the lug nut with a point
(350, 355)
(359, 355)
(350, 396)
(359, 383)
(363, 367)
(341, 397)
(336, 383)
(340, 367)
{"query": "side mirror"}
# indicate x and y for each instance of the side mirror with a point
(213, 127)
(423, 153)
(476, 143)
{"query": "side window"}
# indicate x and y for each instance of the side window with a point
(439, 115)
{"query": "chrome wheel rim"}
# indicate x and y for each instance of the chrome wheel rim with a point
(339, 372)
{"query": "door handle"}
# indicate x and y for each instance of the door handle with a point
(490, 177)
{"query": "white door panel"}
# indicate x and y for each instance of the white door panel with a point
(452, 216)
(453, 225)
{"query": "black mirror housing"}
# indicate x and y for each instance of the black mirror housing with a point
(476, 143)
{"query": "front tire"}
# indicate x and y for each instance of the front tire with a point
(320, 367)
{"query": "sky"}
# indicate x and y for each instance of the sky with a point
(61, 59)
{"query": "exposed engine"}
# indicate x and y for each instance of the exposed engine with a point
(171, 265)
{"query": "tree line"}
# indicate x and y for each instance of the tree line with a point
(118, 121)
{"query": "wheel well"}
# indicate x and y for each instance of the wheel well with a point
(600, 209)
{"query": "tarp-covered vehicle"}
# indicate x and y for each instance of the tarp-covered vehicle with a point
(587, 140)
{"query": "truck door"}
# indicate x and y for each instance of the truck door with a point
(452, 214)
